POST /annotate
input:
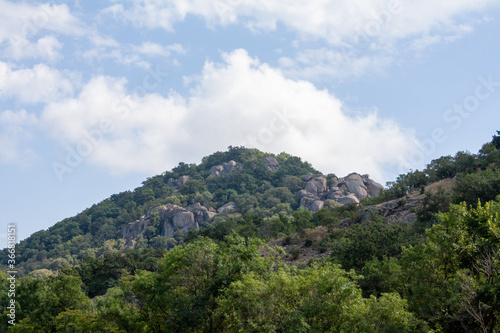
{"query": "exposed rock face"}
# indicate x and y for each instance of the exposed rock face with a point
(173, 217)
(311, 203)
(317, 185)
(271, 163)
(348, 190)
(185, 221)
(182, 180)
(348, 199)
(201, 214)
(176, 183)
(355, 185)
(227, 208)
(374, 189)
(224, 168)
(133, 229)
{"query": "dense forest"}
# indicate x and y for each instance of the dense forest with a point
(245, 242)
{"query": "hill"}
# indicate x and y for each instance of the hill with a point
(206, 247)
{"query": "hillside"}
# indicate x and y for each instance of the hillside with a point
(202, 247)
(190, 198)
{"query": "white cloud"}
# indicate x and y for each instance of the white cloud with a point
(20, 23)
(40, 84)
(15, 137)
(130, 54)
(238, 102)
(325, 64)
(377, 30)
(334, 21)
(47, 48)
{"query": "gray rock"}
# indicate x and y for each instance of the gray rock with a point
(311, 188)
(335, 193)
(168, 230)
(317, 186)
(308, 177)
(216, 170)
(302, 193)
(353, 177)
(357, 188)
(224, 168)
(334, 182)
(317, 205)
(200, 212)
(182, 180)
(227, 208)
(271, 163)
(348, 199)
(134, 229)
(374, 189)
(185, 221)
(211, 215)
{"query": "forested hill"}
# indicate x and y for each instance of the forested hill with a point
(225, 186)
(250, 241)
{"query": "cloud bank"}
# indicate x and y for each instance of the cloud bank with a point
(238, 102)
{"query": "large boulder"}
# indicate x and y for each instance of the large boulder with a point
(185, 220)
(308, 177)
(348, 199)
(176, 217)
(176, 183)
(182, 180)
(374, 189)
(317, 186)
(271, 163)
(311, 203)
(224, 168)
(334, 193)
(201, 213)
(227, 208)
(355, 185)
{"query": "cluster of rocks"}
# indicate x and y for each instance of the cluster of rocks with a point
(176, 183)
(173, 217)
(224, 168)
(348, 190)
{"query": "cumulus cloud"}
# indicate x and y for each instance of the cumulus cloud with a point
(238, 102)
(21, 22)
(40, 84)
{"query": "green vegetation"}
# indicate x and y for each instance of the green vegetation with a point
(348, 268)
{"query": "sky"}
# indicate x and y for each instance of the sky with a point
(96, 96)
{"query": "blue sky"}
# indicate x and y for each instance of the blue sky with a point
(97, 96)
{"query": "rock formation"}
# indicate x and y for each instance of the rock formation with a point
(271, 163)
(224, 168)
(227, 208)
(172, 217)
(348, 190)
(176, 183)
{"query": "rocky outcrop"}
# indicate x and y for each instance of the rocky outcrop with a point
(348, 190)
(348, 199)
(172, 217)
(134, 229)
(227, 208)
(176, 183)
(271, 163)
(201, 214)
(317, 186)
(224, 169)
